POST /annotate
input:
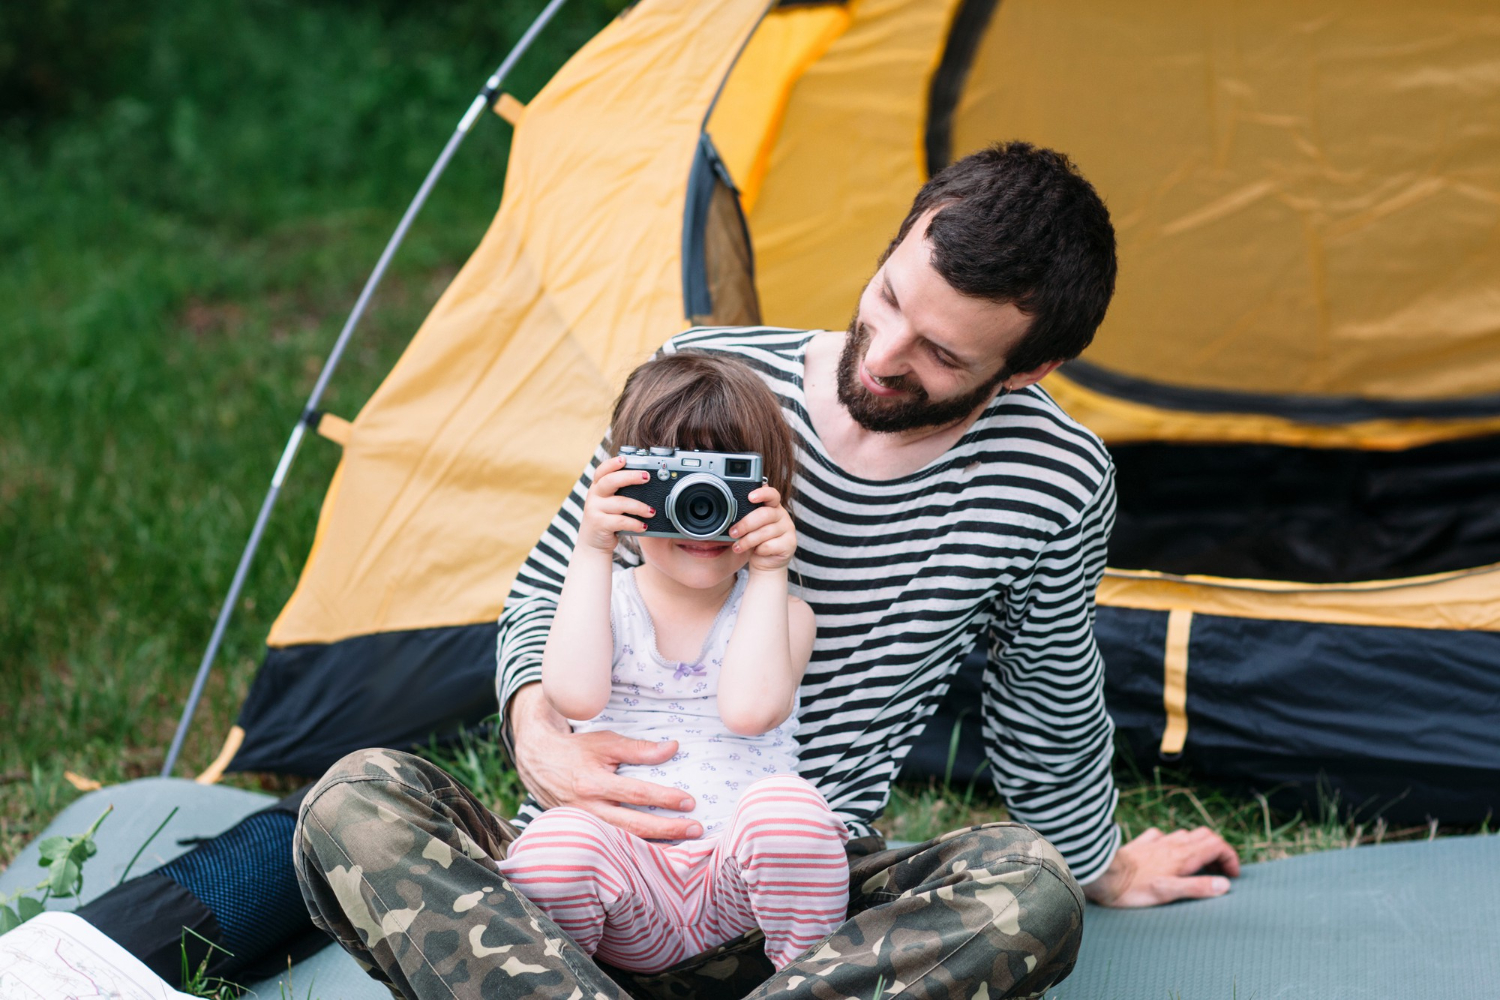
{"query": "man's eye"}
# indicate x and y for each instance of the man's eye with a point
(943, 359)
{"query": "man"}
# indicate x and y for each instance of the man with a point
(944, 499)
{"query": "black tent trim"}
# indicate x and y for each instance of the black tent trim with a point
(1317, 516)
(710, 188)
(1357, 733)
(312, 704)
(1303, 409)
(1359, 728)
(964, 36)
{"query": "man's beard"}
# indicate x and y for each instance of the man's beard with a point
(912, 411)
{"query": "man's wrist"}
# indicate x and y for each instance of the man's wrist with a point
(529, 705)
(1111, 882)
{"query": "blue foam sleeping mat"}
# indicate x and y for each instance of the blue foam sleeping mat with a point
(1413, 921)
(202, 811)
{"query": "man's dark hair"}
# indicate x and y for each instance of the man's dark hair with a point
(1019, 224)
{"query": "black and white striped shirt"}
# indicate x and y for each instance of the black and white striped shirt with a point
(1002, 538)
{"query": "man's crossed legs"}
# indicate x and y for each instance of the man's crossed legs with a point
(398, 862)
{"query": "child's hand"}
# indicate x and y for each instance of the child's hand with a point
(768, 533)
(604, 513)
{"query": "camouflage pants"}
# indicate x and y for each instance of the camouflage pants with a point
(397, 862)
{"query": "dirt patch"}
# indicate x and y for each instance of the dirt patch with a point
(204, 319)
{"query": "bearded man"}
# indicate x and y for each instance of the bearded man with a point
(944, 500)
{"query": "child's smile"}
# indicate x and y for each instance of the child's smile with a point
(702, 550)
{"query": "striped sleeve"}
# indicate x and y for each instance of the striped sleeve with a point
(1048, 736)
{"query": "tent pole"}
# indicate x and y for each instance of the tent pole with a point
(309, 412)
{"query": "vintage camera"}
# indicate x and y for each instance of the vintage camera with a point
(696, 494)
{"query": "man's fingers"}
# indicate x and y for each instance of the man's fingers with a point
(1169, 888)
(610, 788)
(1212, 850)
(632, 791)
(1147, 835)
(646, 825)
(624, 750)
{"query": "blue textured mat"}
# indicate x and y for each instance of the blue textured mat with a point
(203, 811)
(1413, 921)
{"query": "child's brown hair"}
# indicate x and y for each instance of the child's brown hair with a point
(705, 402)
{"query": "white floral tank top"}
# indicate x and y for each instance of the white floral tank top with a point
(653, 698)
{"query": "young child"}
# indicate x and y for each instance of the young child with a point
(702, 644)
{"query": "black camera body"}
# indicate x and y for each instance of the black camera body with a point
(696, 494)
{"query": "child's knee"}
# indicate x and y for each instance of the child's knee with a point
(783, 795)
(565, 819)
(788, 807)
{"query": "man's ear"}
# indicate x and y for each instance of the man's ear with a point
(1022, 380)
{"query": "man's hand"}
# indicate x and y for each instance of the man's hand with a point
(1157, 868)
(563, 768)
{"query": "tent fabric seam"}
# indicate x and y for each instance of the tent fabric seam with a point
(1302, 408)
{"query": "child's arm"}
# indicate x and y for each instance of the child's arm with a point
(773, 636)
(580, 647)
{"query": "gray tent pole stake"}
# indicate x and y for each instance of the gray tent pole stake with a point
(309, 412)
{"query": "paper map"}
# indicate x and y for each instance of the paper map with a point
(59, 956)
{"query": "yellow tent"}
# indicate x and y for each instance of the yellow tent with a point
(1307, 199)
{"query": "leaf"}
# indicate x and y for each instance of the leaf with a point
(82, 849)
(66, 878)
(8, 919)
(28, 908)
(53, 848)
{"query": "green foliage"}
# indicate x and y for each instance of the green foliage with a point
(64, 858)
(196, 982)
(288, 990)
(145, 844)
(61, 58)
(478, 760)
(180, 250)
(55, 55)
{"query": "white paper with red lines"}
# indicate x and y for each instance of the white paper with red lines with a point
(60, 956)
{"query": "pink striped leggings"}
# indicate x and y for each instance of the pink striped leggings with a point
(644, 906)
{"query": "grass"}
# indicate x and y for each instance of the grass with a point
(176, 257)
(175, 260)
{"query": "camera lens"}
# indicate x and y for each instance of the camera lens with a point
(700, 506)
